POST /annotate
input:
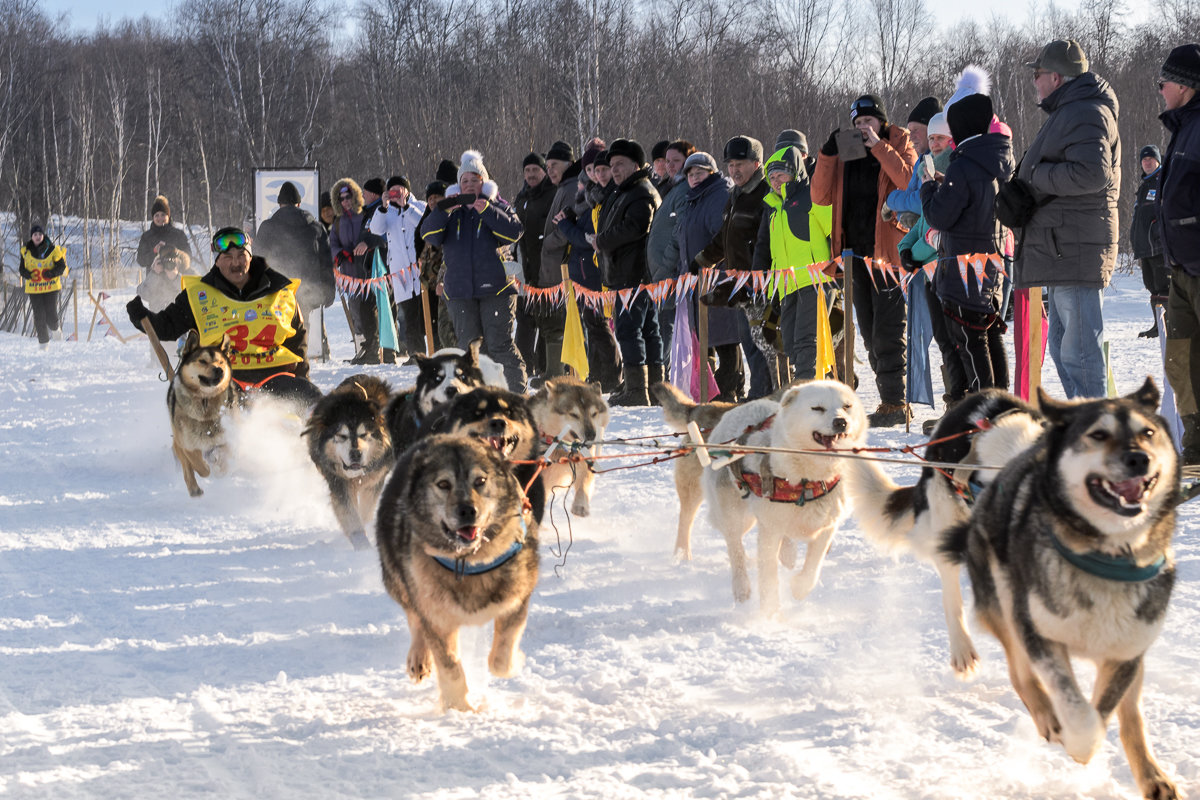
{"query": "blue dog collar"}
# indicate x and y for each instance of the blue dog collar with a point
(460, 567)
(1111, 568)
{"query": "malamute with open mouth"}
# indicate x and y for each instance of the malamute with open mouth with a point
(457, 548)
(791, 495)
(1069, 553)
(349, 443)
(198, 397)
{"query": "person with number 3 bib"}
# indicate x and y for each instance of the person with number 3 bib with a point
(242, 297)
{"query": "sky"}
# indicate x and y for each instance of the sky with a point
(84, 14)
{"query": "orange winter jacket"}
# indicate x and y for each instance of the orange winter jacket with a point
(896, 156)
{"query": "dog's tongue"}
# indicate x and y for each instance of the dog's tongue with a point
(468, 534)
(1130, 490)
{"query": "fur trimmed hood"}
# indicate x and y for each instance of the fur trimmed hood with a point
(355, 194)
(490, 190)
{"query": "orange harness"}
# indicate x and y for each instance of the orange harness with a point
(777, 490)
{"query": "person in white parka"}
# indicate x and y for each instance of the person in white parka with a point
(398, 218)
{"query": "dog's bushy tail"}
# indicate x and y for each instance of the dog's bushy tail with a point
(883, 508)
(954, 542)
(675, 404)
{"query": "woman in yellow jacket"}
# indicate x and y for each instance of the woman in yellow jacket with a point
(794, 233)
(43, 266)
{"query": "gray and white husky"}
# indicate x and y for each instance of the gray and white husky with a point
(1069, 554)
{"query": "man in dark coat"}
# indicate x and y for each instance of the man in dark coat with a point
(1145, 239)
(532, 205)
(160, 232)
(1178, 212)
(1073, 166)
(733, 248)
(296, 243)
(621, 232)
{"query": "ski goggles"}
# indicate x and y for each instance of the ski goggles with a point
(228, 238)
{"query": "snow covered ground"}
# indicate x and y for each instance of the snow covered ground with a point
(154, 645)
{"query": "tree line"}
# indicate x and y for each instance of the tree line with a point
(95, 124)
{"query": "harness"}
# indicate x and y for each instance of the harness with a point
(769, 487)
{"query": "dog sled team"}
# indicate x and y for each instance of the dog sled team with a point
(1062, 513)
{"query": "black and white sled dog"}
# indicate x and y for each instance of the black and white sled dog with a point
(986, 428)
(352, 449)
(441, 377)
(794, 495)
(1069, 554)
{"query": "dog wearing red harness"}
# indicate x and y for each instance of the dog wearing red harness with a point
(791, 492)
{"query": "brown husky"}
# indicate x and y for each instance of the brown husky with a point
(197, 397)
(567, 408)
(457, 548)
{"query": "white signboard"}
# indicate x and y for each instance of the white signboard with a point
(266, 190)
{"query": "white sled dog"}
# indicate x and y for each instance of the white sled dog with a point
(796, 496)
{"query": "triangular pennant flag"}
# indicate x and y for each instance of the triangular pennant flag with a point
(962, 273)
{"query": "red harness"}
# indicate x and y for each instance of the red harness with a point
(782, 491)
(777, 490)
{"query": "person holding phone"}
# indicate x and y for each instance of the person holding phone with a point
(856, 189)
(471, 225)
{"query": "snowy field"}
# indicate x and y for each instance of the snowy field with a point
(235, 646)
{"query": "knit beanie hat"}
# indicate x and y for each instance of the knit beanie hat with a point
(659, 150)
(561, 151)
(745, 148)
(447, 172)
(399, 180)
(1183, 66)
(160, 204)
(792, 138)
(472, 161)
(1150, 151)
(435, 187)
(533, 159)
(970, 116)
(36, 228)
(785, 159)
(868, 105)
(924, 110)
(700, 159)
(972, 80)
(628, 148)
(938, 125)
(374, 186)
(289, 195)
(326, 200)
(600, 159)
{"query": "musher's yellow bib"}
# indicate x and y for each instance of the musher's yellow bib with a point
(39, 284)
(258, 328)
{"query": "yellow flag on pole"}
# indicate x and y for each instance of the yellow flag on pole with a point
(825, 355)
(574, 354)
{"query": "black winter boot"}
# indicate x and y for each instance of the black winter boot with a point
(635, 388)
(655, 374)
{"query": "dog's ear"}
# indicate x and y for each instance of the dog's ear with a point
(190, 342)
(227, 346)
(1054, 410)
(473, 350)
(595, 389)
(789, 397)
(422, 360)
(1147, 396)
